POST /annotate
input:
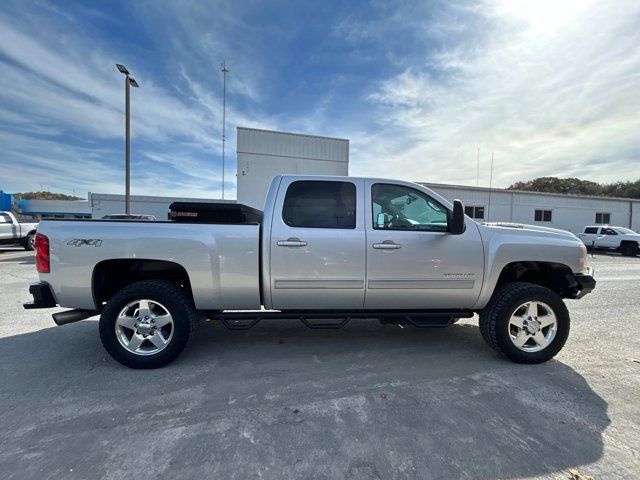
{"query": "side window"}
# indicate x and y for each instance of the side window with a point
(543, 215)
(4, 218)
(609, 231)
(476, 212)
(320, 204)
(396, 207)
(591, 230)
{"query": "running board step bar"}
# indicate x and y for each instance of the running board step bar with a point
(338, 319)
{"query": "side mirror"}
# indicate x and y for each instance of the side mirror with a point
(456, 227)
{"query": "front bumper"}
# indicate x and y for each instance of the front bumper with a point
(585, 283)
(42, 296)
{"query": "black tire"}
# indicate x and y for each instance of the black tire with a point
(28, 243)
(494, 321)
(173, 298)
(629, 249)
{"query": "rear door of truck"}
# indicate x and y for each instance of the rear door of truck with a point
(318, 245)
(7, 228)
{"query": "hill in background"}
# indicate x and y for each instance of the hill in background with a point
(576, 186)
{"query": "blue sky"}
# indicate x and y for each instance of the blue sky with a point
(552, 87)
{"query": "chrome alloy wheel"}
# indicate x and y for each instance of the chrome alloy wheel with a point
(532, 326)
(144, 327)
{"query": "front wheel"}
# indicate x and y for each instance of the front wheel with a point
(147, 324)
(525, 322)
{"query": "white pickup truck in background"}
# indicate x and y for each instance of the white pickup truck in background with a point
(13, 232)
(618, 239)
(324, 251)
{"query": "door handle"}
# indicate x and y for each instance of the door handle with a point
(386, 245)
(292, 242)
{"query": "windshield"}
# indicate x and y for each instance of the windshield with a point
(625, 231)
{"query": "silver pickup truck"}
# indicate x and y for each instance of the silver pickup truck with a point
(327, 250)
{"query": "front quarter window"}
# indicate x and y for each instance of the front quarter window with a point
(397, 207)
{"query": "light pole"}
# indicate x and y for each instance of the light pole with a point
(224, 71)
(128, 81)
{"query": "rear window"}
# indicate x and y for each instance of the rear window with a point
(319, 204)
(591, 230)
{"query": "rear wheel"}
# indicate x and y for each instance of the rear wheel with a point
(629, 249)
(147, 324)
(526, 323)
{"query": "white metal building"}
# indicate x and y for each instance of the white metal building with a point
(106, 203)
(567, 212)
(263, 154)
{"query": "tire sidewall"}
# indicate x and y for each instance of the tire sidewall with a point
(562, 318)
(29, 242)
(174, 302)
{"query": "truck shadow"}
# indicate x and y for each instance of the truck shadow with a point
(21, 260)
(368, 401)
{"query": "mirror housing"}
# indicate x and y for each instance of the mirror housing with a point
(456, 227)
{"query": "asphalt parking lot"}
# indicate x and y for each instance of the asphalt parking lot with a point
(281, 401)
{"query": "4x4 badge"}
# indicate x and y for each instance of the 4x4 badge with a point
(78, 242)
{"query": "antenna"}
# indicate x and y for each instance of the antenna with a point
(490, 184)
(478, 170)
(224, 71)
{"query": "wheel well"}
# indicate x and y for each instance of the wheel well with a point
(554, 276)
(628, 242)
(110, 276)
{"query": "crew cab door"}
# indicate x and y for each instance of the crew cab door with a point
(589, 236)
(7, 228)
(413, 262)
(318, 245)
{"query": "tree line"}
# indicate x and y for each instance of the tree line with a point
(577, 186)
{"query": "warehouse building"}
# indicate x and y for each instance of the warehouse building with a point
(263, 154)
(566, 212)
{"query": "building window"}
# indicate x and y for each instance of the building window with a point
(475, 212)
(543, 215)
(603, 218)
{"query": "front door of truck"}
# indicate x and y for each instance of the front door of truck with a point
(413, 262)
(318, 245)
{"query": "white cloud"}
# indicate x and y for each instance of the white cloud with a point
(550, 99)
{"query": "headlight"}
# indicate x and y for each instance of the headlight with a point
(583, 258)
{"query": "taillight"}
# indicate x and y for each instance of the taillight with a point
(42, 253)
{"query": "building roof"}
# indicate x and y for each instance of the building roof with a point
(278, 132)
(525, 192)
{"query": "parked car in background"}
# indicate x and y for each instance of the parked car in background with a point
(618, 239)
(128, 216)
(334, 248)
(15, 232)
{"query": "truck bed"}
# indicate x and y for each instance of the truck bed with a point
(207, 252)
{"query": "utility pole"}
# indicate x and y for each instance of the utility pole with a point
(224, 116)
(128, 82)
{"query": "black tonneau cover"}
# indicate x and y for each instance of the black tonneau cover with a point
(219, 213)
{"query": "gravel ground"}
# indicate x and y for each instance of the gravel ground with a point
(282, 401)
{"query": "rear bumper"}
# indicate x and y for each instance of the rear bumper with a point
(585, 283)
(42, 296)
